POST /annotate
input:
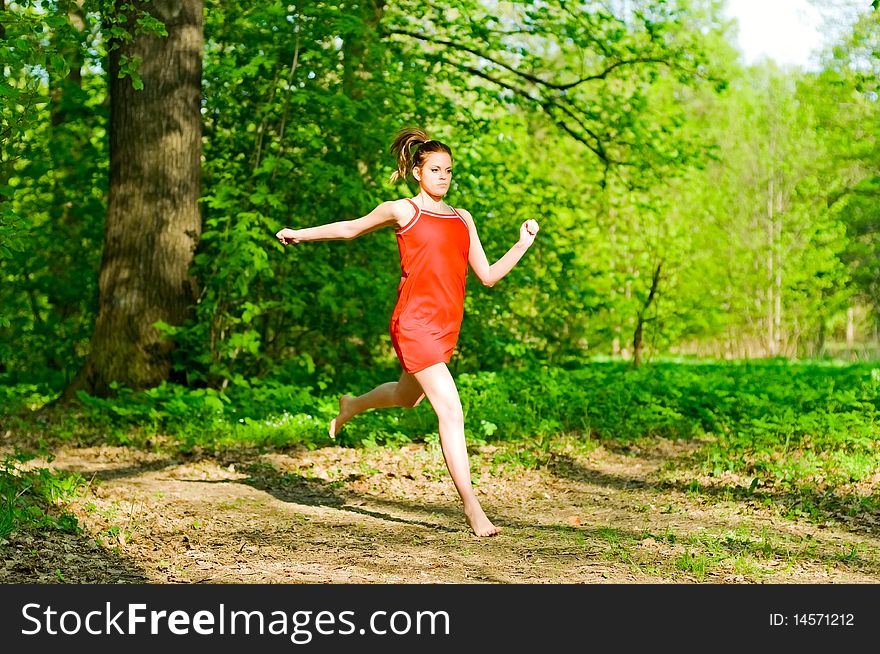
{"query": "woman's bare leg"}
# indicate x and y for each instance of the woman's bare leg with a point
(404, 392)
(440, 388)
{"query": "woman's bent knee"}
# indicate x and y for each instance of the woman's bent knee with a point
(410, 401)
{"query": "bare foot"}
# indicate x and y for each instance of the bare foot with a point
(479, 523)
(344, 416)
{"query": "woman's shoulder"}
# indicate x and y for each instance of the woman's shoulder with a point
(465, 214)
(403, 210)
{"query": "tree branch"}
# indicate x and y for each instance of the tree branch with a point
(528, 76)
(546, 104)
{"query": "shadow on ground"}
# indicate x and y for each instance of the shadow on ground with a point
(54, 557)
(809, 502)
(298, 489)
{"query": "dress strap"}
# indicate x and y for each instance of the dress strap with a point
(461, 217)
(412, 221)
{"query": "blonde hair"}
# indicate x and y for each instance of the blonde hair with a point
(410, 147)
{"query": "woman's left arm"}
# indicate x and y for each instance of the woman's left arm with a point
(490, 275)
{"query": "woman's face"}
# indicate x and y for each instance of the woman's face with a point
(435, 173)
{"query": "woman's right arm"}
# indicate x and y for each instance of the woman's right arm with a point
(385, 215)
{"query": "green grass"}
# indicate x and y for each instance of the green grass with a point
(709, 555)
(798, 435)
(35, 497)
(695, 564)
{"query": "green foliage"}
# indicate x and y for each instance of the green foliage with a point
(629, 130)
(267, 414)
(53, 171)
(52, 168)
(775, 422)
(35, 497)
(22, 398)
(849, 80)
(287, 94)
(763, 272)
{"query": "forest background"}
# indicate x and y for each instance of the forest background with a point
(708, 263)
(690, 205)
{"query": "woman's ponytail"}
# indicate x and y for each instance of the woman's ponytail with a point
(410, 147)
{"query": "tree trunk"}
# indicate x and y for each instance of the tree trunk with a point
(820, 338)
(769, 308)
(777, 252)
(68, 113)
(610, 212)
(354, 47)
(153, 221)
(640, 319)
(5, 167)
(850, 328)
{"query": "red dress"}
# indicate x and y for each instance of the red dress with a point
(430, 298)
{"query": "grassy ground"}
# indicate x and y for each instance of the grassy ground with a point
(741, 472)
(573, 509)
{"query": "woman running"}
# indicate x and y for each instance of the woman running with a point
(436, 243)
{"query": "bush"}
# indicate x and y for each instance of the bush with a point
(35, 496)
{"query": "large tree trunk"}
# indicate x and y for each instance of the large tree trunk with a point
(153, 222)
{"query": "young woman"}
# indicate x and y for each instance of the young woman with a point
(436, 243)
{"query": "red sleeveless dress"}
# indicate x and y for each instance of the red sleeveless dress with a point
(430, 298)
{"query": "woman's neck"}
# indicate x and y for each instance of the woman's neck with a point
(431, 202)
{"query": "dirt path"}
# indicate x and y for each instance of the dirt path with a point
(570, 514)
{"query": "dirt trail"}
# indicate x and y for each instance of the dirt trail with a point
(390, 515)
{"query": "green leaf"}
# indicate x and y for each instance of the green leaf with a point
(57, 21)
(59, 65)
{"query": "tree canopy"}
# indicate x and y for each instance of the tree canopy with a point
(689, 203)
